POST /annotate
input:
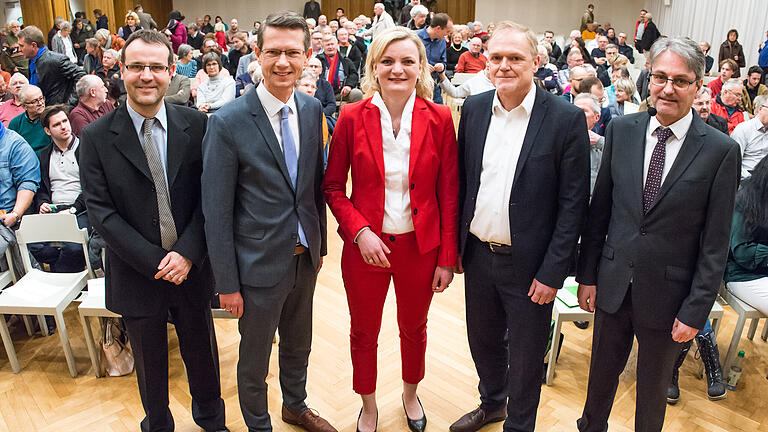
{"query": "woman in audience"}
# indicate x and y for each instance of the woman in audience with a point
(176, 30)
(62, 42)
(219, 20)
(624, 103)
(746, 274)
(401, 223)
(81, 31)
(709, 60)
(186, 65)
(453, 52)
(419, 14)
(732, 49)
(131, 25)
(218, 89)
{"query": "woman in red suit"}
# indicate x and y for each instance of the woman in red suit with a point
(400, 221)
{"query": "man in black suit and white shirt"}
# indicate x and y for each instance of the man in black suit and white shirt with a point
(524, 187)
(140, 170)
(656, 239)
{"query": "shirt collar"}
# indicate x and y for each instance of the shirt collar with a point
(407, 110)
(758, 125)
(679, 128)
(273, 105)
(138, 119)
(526, 105)
(69, 147)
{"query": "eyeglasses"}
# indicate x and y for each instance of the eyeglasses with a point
(139, 68)
(678, 83)
(38, 101)
(276, 53)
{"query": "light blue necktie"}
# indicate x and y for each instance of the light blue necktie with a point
(291, 159)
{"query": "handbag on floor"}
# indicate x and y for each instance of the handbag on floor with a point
(116, 353)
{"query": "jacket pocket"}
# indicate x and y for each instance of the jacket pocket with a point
(607, 252)
(246, 228)
(678, 274)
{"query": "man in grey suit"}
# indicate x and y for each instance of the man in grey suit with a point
(656, 240)
(145, 20)
(265, 221)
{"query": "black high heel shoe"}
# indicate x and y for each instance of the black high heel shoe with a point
(357, 425)
(416, 425)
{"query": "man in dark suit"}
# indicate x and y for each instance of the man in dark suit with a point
(140, 170)
(703, 106)
(265, 221)
(656, 240)
(524, 188)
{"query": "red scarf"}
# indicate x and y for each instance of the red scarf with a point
(333, 71)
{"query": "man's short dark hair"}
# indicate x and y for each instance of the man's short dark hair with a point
(585, 86)
(340, 9)
(643, 10)
(754, 69)
(549, 31)
(284, 20)
(50, 111)
(32, 34)
(97, 12)
(590, 6)
(149, 37)
(624, 71)
(440, 20)
(137, 7)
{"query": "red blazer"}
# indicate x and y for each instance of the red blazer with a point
(432, 174)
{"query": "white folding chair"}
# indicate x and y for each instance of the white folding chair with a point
(460, 78)
(745, 312)
(7, 277)
(40, 293)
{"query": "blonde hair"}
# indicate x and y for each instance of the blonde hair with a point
(625, 85)
(369, 83)
(134, 15)
(503, 26)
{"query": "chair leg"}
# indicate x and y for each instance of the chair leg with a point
(28, 325)
(62, 328)
(734, 346)
(752, 328)
(43, 325)
(553, 349)
(8, 343)
(765, 331)
(86, 323)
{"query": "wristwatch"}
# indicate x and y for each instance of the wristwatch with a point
(16, 216)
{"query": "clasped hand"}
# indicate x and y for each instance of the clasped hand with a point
(173, 268)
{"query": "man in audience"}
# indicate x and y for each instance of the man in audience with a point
(727, 68)
(145, 20)
(625, 49)
(340, 72)
(265, 222)
(316, 43)
(640, 273)
(92, 103)
(576, 76)
(234, 29)
(703, 105)
(111, 63)
(546, 73)
(405, 12)
(478, 31)
(433, 38)
(323, 89)
(312, 10)
(549, 36)
(587, 17)
(52, 72)
(21, 171)
(194, 37)
(322, 21)
(210, 45)
(239, 49)
(640, 28)
(92, 61)
(27, 124)
(574, 58)
(178, 90)
(752, 136)
(473, 60)
(140, 172)
(726, 104)
(242, 64)
(15, 106)
(102, 22)
(592, 85)
(643, 80)
(591, 107)
(347, 49)
(381, 21)
(598, 54)
(519, 226)
(753, 87)
(650, 34)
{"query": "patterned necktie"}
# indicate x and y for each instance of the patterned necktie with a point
(168, 234)
(656, 168)
(289, 145)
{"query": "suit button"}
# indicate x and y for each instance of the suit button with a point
(294, 235)
(154, 221)
(631, 264)
(415, 211)
(391, 238)
(512, 204)
(413, 186)
(154, 189)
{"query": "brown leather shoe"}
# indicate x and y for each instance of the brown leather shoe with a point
(308, 420)
(474, 420)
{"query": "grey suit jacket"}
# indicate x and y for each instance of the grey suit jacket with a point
(674, 255)
(251, 209)
(178, 90)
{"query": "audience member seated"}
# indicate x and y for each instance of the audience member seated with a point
(598, 54)
(195, 38)
(186, 65)
(625, 49)
(12, 59)
(590, 33)
(62, 42)
(92, 103)
(131, 25)
(752, 136)
(178, 91)
(27, 124)
(92, 61)
(316, 42)
(201, 75)
(246, 60)
(727, 68)
(19, 176)
(348, 49)
(339, 71)
(111, 63)
(454, 50)
(479, 83)
(472, 61)
(60, 189)
(726, 104)
(419, 16)
(239, 49)
(324, 90)
(591, 107)
(556, 51)
(256, 76)
(746, 273)
(592, 85)
(114, 94)
(53, 72)
(753, 88)
(218, 89)
(574, 58)
(708, 59)
(220, 37)
(703, 106)
(545, 72)
(576, 76)
(14, 106)
(610, 91)
(624, 103)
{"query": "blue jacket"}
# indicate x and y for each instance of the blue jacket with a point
(762, 59)
(19, 167)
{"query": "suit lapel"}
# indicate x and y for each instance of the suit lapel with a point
(688, 152)
(305, 146)
(482, 133)
(372, 126)
(176, 143)
(418, 131)
(534, 124)
(265, 128)
(128, 142)
(635, 140)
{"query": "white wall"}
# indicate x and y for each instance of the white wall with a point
(11, 10)
(246, 11)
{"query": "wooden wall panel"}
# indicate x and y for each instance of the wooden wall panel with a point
(61, 9)
(460, 10)
(38, 13)
(352, 8)
(107, 8)
(159, 9)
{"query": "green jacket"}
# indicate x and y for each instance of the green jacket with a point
(747, 257)
(32, 131)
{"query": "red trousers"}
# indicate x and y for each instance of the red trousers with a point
(367, 288)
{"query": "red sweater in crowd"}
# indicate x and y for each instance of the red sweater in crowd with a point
(471, 64)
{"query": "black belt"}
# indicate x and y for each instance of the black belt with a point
(494, 247)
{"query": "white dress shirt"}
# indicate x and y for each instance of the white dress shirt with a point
(273, 106)
(752, 137)
(503, 143)
(674, 143)
(397, 152)
(64, 173)
(159, 135)
(480, 83)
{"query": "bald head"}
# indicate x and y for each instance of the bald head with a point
(475, 45)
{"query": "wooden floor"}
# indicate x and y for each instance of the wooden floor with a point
(43, 397)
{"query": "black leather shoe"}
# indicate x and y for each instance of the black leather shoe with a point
(474, 420)
(357, 425)
(416, 425)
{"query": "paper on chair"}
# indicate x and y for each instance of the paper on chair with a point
(36, 295)
(568, 297)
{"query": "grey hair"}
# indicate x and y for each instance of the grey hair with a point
(26, 89)
(686, 48)
(65, 25)
(19, 76)
(572, 52)
(184, 49)
(311, 20)
(586, 68)
(419, 10)
(254, 70)
(732, 84)
(610, 45)
(594, 102)
(760, 101)
(543, 51)
(705, 90)
(626, 85)
(305, 74)
(114, 54)
(86, 83)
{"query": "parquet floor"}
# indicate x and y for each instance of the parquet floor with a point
(43, 397)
